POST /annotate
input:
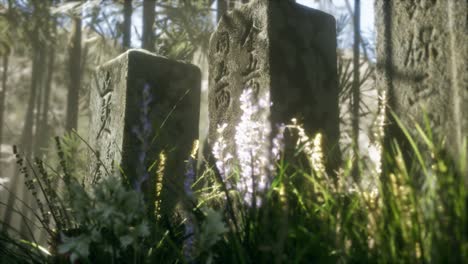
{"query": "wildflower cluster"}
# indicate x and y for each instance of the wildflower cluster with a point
(189, 180)
(143, 131)
(256, 152)
(223, 158)
(311, 147)
(375, 149)
(159, 184)
(253, 151)
(253, 157)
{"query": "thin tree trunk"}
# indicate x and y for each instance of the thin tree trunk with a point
(74, 68)
(3, 95)
(148, 24)
(48, 51)
(127, 24)
(356, 87)
(362, 43)
(29, 137)
(27, 134)
(3, 91)
(221, 9)
(14, 183)
(48, 85)
(38, 105)
(30, 134)
(27, 141)
(43, 127)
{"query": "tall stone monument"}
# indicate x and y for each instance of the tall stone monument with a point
(144, 107)
(270, 62)
(422, 64)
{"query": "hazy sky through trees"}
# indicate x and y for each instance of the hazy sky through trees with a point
(367, 17)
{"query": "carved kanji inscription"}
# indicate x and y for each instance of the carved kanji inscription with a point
(252, 65)
(220, 71)
(422, 47)
(275, 67)
(418, 6)
(222, 45)
(223, 98)
(427, 67)
(133, 95)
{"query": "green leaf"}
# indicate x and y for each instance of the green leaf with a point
(142, 230)
(75, 245)
(212, 228)
(126, 240)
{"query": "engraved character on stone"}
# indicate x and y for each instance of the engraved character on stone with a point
(422, 48)
(415, 6)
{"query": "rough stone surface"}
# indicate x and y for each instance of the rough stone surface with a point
(285, 54)
(143, 104)
(422, 59)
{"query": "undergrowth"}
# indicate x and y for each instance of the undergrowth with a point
(416, 213)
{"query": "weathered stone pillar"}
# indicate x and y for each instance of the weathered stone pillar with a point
(422, 64)
(143, 106)
(270, 62)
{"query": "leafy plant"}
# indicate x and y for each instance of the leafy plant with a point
(111, 222)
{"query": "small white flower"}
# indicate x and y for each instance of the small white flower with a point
(252, 145)
(221, 155)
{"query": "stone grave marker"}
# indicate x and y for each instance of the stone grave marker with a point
(270, 62)
(422, 64)
(144, 107)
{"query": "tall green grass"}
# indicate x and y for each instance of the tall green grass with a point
(416, 213)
